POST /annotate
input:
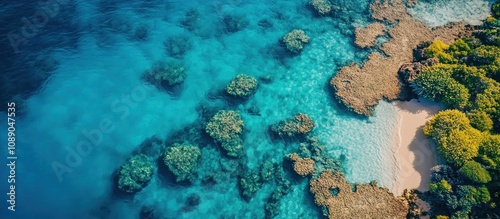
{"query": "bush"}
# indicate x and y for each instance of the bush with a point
(474, 172)
(490, 147)
(495, 9)
(436, 83)
(439, 187)
(438, 50)
(182, 161)
(480, 120)
(459, 146)
(442, 123)
(135, 173)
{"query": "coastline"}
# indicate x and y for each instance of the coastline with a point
(415, 154)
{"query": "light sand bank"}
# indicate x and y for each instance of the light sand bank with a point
(415, 154)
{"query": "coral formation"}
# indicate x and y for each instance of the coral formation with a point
(300, 124)
(295, 40)
(302, 166)
(191, 19)
(182, 161)
(365, 37)
(314, 149)
(226, 127)
(250, 183)
(135, 173)
(242, 86)
(323, 7)
(283, 187)
(177, 46)
(368, 200)
(361, 88)
(235, 23)
(165, 74)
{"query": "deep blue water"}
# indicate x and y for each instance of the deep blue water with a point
(84, 68)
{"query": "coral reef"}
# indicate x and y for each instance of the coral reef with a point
(267, 170)
(295, 40)
(177, 46)
(135, 173)
(250, 183)
(242, 86)
(302, 166)
(182, 161)
(235, 23)
(312, 148)
(361, 88)
(165, 74)
(226, 127)
(323, 7)
(283, 187)
(365, 37)
(191, 203)
(141, 33)
(300, 124)
(368, 200)
(191, 19)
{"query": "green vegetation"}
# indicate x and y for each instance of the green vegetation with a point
(182, 161)
(474, 172)
(466, 80)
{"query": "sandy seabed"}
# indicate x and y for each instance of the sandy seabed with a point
(415, 154)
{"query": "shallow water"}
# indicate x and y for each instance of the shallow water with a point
(98, 80)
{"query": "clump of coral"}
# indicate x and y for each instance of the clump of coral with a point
(295, 40)
(323, 7)
(242, 86)
(182, 161)
(135, 173)
(235, 23)
(226, 127)
(302, 166)
(191, 19)
(250, 183)
(177, 46)
(165, 74)
(367, 200)
(300, 124)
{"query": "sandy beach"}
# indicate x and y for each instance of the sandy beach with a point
(415, 154)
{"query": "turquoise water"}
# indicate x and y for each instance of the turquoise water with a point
(99, 81)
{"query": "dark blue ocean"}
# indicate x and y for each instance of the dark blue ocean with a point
(74, 70)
